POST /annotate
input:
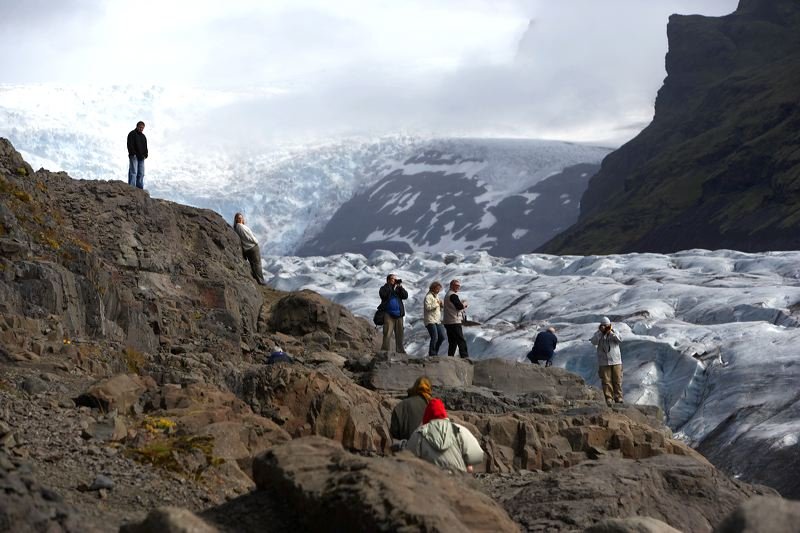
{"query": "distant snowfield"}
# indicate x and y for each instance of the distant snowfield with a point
(705, 334)
(287, 190)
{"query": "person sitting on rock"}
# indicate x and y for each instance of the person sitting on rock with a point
(544, 347)
(609, 360)
(407, 415)
(249, 247)
(444, 443)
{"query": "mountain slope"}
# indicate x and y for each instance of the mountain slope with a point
(719, 166)
(504, 197)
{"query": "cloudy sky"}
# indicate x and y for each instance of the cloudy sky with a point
(580, 70)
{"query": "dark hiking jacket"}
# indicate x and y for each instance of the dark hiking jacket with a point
(137, 144)
(407, 416)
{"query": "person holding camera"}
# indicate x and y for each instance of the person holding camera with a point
(392, 295)
(609, 361)
(454, 309)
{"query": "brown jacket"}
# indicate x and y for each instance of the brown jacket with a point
(407, 416)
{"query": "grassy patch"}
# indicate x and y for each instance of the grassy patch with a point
(134, 360)
(168, 452)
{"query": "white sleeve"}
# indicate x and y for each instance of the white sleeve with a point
(472, 452)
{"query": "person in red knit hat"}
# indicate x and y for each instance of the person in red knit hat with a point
(444, 443)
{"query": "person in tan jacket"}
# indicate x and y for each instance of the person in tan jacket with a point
(454, 309)
(432, 317)
(444, 443)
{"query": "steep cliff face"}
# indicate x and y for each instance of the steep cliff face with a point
(719, 166)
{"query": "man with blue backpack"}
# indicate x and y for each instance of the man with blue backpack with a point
(392, 295)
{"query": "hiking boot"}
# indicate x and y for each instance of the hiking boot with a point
(609, 403)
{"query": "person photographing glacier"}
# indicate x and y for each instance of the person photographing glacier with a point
(609, 360)
(392, 295)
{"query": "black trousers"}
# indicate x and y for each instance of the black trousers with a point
(253, 256)
(455, 337)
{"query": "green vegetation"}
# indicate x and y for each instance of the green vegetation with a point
(169, 452)
(134, 360)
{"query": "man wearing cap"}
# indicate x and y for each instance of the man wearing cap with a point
(609, 361)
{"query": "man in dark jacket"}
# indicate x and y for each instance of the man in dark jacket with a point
(137, 153)
(407, 415)
(392, 295)
(544, 347)
(454, 310)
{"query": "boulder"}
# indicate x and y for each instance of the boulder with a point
(321, 322)
(678, 490)
(763, 515)
(121, 392)
(309, 402)
(514, 378)
(631, 525)
(170, 520)
(339, 491)
(398, 373)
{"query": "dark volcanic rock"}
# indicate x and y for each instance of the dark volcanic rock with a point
(27, 507)
(339, 491)
(686, 494)
(718, 167)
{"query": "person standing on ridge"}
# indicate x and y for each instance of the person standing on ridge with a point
(453, 318)
(544, 347)
(137, 153)
(432, 317)
(392, 295)
(407, 415)
(609, 361)
(250, 249)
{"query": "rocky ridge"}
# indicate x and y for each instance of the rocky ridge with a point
(133, 377)
(719, 166)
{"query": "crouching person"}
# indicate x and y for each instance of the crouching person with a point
(444, 443)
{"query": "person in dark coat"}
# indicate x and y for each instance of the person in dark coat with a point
(407, 415)
(137, 153)
(544, 347)
(392, 295)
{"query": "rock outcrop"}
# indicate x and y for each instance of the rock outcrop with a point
(340, 491)
(718, 167)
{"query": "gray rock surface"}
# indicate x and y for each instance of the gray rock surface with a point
(170, 520)
(679, 491)
(340, 491)
(763, 515)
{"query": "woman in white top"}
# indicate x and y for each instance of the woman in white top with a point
(432, 317)
(249, 247)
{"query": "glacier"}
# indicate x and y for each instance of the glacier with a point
(287, 189)
(712, 337)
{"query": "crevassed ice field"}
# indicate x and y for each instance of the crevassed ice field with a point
(705, 334)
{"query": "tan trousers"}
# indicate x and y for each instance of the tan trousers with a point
(392, 325)
(611, 377)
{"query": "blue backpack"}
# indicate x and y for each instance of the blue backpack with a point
(393, 306)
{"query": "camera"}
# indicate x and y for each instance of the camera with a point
(398, 281)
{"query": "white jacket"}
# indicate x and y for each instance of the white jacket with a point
(431, 312)
(608, 352)
(446, 444)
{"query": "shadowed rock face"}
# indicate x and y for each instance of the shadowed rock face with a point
(679, 491)
(718, 166)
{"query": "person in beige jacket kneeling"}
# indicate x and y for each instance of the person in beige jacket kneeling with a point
(444, 443)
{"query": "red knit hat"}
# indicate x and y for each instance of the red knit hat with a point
(434, 410)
